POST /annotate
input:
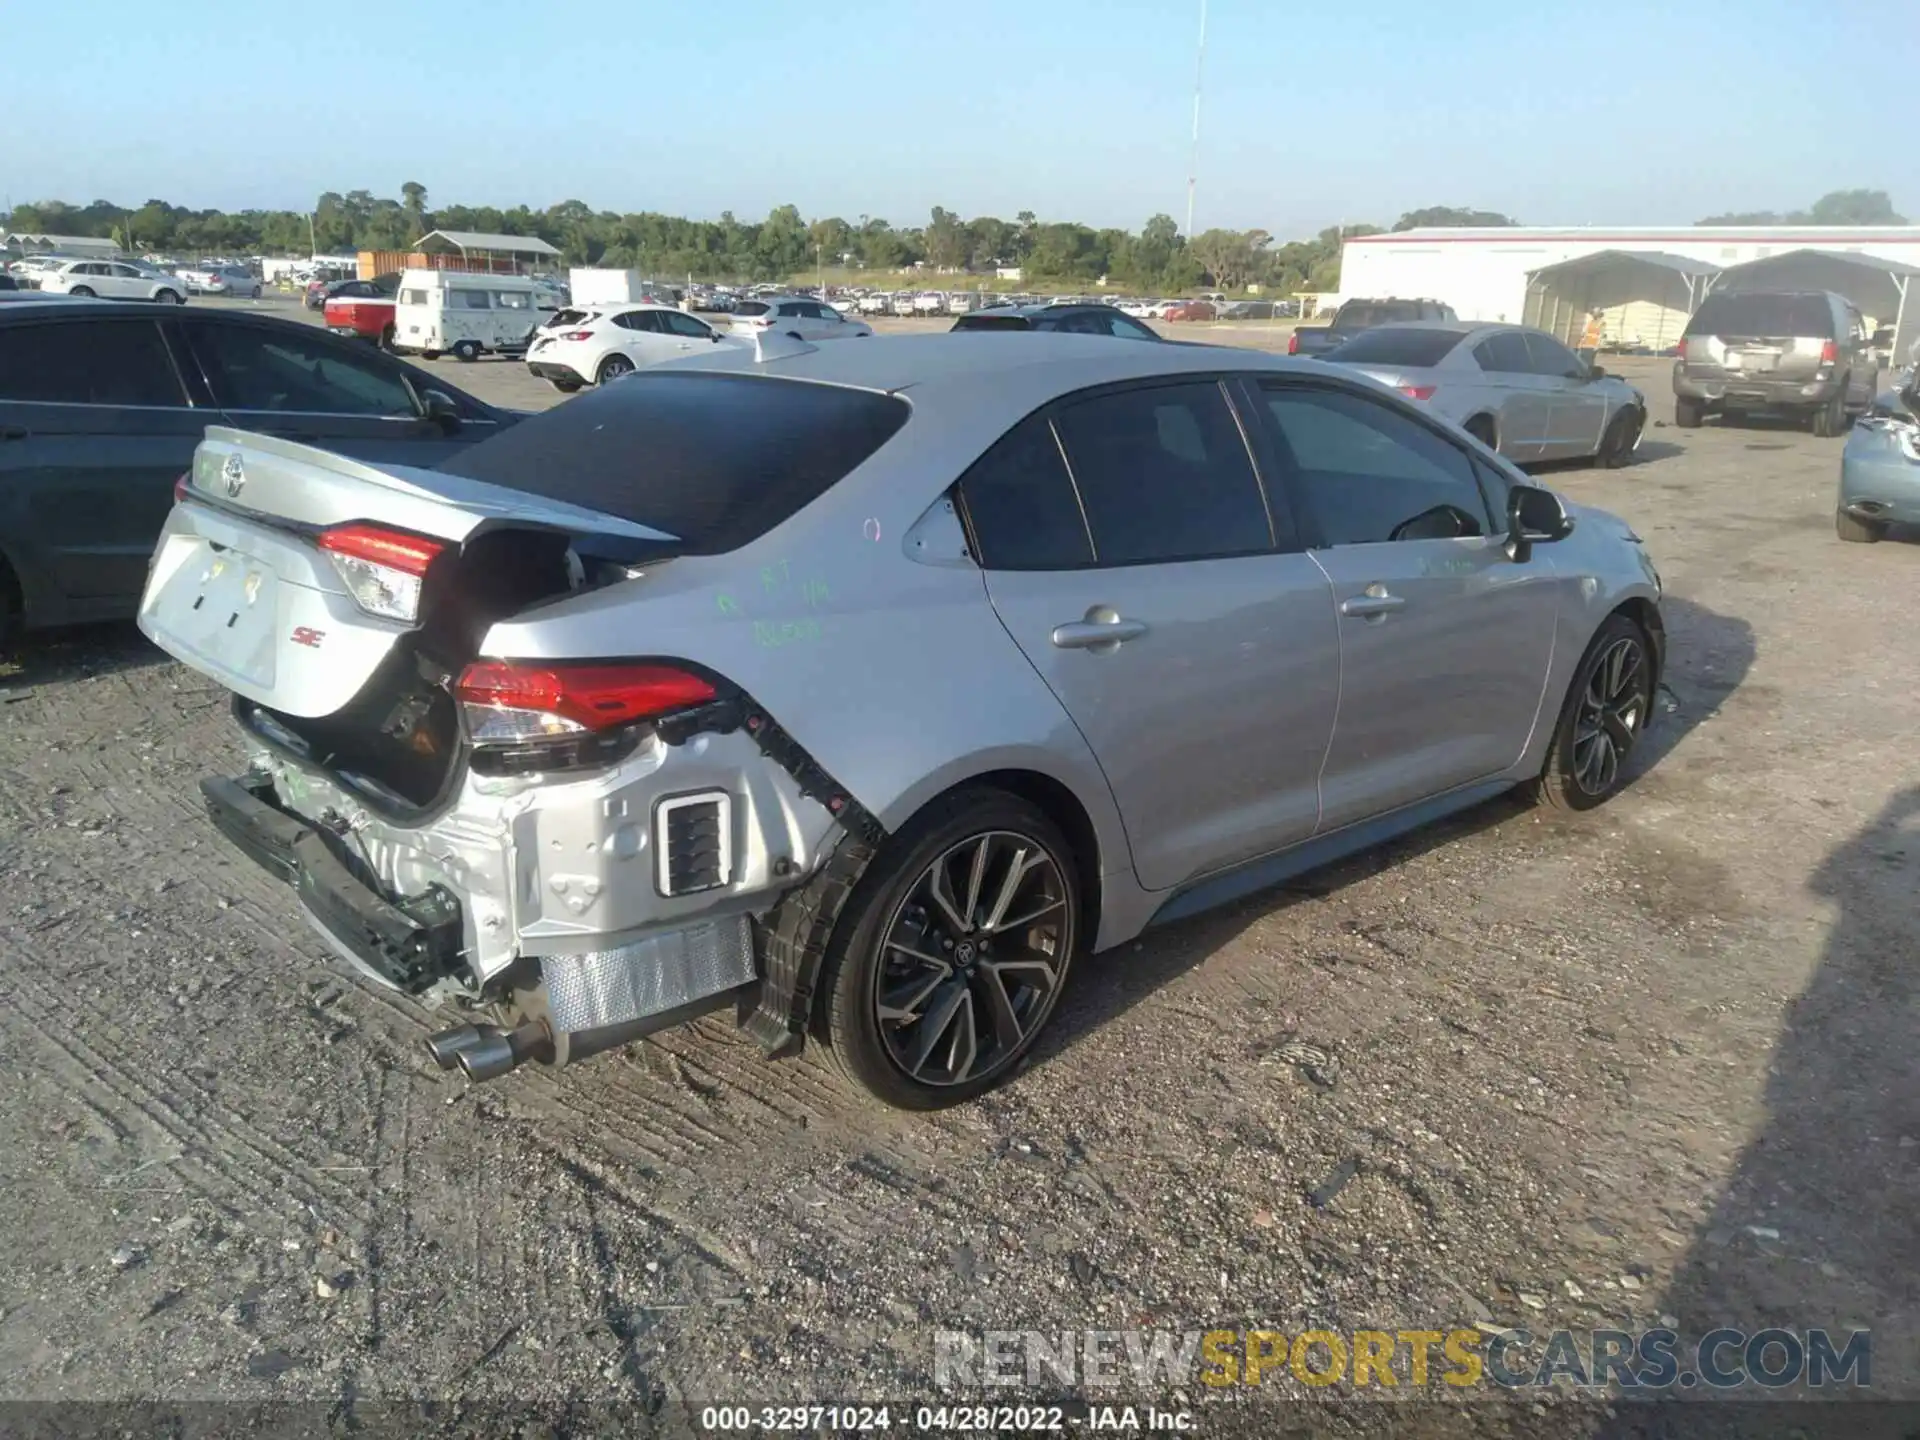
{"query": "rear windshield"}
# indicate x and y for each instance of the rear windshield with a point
(1760, 314)
(993, 322)
(569, 317)
(714, 460)
(752, 307)
(1396, 345)
(1362, 313)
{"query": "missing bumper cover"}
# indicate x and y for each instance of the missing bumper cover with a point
(410, 942)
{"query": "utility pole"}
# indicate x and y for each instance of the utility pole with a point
(1199, 72)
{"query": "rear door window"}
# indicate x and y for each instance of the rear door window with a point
(1504, 354)
(254, 368)
(1020, 504)
(1164, 475)
(89, 362)
(1759, 315)
(715, 460)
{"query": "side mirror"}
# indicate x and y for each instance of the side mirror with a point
(1534, 517)
(442, 410)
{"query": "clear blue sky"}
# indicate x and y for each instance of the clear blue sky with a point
(1627, 111)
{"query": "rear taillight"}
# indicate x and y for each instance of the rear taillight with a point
(578, 335)
(182, 487)
(1293, 344)
(764, 321)
(1417, 392)
(1830, 352)
(383, 569)
(510, 701)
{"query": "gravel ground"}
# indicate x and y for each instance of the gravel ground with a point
(1586, 1072)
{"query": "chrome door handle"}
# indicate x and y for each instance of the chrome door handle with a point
(1103, 630)
(1375, 602)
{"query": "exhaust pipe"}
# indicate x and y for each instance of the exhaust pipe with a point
(445, 1046)
(497, 1051)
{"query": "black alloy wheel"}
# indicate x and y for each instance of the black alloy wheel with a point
(953, 951)
(1606, 711)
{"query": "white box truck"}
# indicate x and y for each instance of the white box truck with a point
(587, 286)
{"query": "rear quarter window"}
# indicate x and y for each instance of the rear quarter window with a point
(714, 460)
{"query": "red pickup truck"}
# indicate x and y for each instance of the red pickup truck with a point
(364, 308)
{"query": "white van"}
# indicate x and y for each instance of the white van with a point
(465, 313)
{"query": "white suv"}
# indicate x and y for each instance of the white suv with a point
(113, 280)
(796, 316)
(593, 344)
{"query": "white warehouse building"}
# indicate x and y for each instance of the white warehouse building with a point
(1643, 282)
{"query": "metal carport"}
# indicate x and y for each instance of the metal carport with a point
(1882, 289)
(1644, 297)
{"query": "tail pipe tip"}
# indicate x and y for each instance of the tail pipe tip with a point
(486, 1052)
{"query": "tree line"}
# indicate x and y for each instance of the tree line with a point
(1156, 258)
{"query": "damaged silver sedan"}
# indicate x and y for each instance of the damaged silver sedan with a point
(859, 689)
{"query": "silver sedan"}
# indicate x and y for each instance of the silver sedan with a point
(864, 716)
(1515, 389)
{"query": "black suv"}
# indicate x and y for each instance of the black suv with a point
(1072, 319)
(1807, 353)
(103, 402)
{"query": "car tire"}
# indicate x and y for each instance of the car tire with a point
(894, 942)
(565, 387)
(612, 368)
(1623, 434)
(85, 292)
(1687, 414)
(1856, 531)
(1830, 418)
(467, 351)
(256, 292)
(1605, 713)
(167, 297)
(388, 339)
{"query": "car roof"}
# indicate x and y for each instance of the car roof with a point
(1045, 307)
(1048, 364)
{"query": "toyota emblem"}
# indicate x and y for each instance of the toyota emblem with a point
(235, 474)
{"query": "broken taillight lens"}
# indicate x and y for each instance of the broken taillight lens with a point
(507, 700)
(1418, 392)
(383, 569)
(182, 487)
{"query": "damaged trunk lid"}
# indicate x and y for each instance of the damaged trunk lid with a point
(292, 575)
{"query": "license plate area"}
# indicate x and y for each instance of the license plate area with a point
(1753, 362)
(221, 605)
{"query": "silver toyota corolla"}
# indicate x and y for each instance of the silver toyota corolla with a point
(1511, 387)
(864, 687)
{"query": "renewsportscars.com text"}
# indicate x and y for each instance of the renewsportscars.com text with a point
(1105, 1360)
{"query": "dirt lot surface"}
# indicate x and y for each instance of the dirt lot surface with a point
(1654, 1061)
